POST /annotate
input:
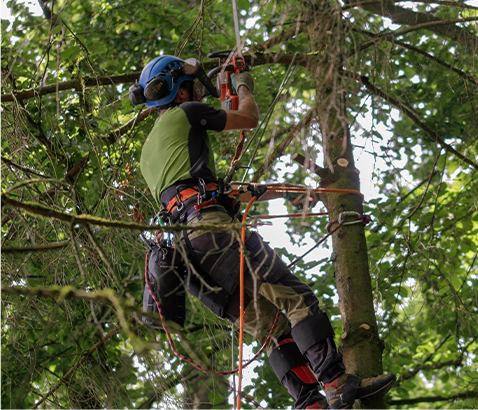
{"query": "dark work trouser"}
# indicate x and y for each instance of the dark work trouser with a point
(269, 286)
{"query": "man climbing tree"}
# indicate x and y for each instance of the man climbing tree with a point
(387, 89)
(178, 165)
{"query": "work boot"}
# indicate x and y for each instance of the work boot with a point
(344, 390)
(293, 370)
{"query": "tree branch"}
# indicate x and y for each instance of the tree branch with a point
(68, 177)
(84, 220)
(9, 162)
(400, 15)
(434, 366)
(299, 158)
(67, 85)
(410, 29)
(38, 248)
(254, 60)
(433, 136)
(392, 40)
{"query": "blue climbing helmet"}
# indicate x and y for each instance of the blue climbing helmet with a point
(159, 82)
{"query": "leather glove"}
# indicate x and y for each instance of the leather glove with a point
(244, 78)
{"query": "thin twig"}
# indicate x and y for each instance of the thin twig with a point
(9, 162)
(38, 248)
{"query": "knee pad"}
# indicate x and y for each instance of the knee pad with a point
(287, 357)
(312, 330)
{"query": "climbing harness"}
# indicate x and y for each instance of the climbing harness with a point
(177, 202)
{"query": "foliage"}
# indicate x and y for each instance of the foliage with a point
(77, 151)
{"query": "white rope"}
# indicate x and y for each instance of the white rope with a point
(236, 28)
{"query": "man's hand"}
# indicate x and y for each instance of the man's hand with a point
(247, 116)
(244, 78)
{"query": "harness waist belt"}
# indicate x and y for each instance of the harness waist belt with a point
(188, 193)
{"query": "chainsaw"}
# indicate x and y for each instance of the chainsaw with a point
(235, 65)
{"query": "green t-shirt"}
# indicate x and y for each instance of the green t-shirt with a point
(178, 146)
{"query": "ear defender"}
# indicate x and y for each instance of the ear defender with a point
(156, 89)
(136, 95)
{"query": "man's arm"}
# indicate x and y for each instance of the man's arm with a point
(247, 114)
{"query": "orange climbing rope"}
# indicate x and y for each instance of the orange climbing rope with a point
(242, 262)
(241, 302)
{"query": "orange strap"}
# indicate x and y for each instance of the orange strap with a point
(239, 148)
(188, 193)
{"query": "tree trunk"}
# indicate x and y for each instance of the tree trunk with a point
(360, 345)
